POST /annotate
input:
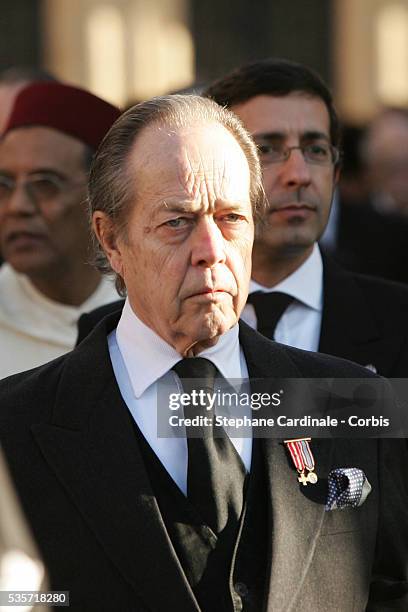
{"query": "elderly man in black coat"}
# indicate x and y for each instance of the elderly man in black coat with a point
(127, 519)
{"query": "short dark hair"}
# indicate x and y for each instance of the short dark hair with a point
(275, 77)
(111, 185)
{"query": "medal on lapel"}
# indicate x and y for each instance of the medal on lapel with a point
(303, 459)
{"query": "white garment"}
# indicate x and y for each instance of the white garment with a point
(141, 359)
(20, 565)
(35, 329)
(300, 324)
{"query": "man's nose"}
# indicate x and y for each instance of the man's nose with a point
(295, 170)
(20, 202)
(208, 247)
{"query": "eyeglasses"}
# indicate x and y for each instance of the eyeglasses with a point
(321, 154)
(41, 188)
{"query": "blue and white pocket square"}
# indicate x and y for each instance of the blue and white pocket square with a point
(348, 488)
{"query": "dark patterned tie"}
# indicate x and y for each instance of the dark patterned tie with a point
(215, 474)
(269, 307)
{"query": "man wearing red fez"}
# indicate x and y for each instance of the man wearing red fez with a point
(46, 281)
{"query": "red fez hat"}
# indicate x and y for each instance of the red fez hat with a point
(67, 109)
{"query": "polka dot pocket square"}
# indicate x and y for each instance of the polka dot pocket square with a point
(348, 488)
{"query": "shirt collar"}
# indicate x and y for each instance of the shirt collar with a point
(148, 357)
(304, 284)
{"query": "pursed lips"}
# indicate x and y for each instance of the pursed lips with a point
(293, 206)
(208, 291)
(15, 235)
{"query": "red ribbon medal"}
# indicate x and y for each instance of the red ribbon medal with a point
(303, 459)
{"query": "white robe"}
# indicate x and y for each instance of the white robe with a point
(35, 329)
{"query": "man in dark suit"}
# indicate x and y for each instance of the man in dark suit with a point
(289, 112)
(128, 520)
(328, 309)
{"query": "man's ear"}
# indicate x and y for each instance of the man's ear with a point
(336, 176)
(106, 234)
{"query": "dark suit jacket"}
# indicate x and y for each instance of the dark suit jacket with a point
(371, 242)
(71, 448)
(365, 319)
(89, 320)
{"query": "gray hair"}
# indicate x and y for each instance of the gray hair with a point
(112, 189)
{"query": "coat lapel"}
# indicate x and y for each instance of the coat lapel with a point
(91, 447)
(296, 518)
(347, 330)
(296, 512)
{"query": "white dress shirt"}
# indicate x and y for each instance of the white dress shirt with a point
(300, 324)
(140, 359)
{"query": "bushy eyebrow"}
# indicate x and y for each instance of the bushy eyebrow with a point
(178, 206)
(273, 136)
(48, 172)
(188, 206)
(44, 172)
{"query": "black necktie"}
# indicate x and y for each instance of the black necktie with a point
(215, 474)
(269, 307)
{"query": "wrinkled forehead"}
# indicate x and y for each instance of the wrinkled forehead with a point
(191, 156)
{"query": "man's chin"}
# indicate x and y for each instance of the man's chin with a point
(25, 265)
(301, 237)
(25, 258)
(206, 332)
(217, 323)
